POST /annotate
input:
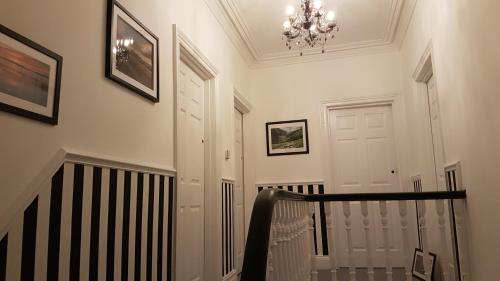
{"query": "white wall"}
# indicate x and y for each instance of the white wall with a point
(96, 114)
(467, 67)
(298, 91)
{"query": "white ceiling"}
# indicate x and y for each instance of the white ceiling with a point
(363, 24)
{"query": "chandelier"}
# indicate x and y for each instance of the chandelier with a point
(122, 50)
(312, 27)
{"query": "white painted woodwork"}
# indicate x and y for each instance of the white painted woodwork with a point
(331, 241)
(407, 253)
(387, 248)
(346, 207)
(368, 239)
(443, 234)
(314, 270)
(437, 134)
(191, 187)
(364, 161)
(239, 192)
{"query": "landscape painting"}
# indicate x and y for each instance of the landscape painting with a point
(22, 76)
(29, 78)
(132, 52)
(287, 138)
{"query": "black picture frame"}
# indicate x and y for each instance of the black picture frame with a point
(283, 152)
(51, 116)
(113, 73)
(420, 253)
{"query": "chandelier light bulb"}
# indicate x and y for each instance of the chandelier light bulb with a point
(313, 27)
(317, 4)
(330, 16)
(290, 10)
(287, 24)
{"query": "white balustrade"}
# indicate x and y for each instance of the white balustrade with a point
(444, 242)
(292, 249)
(387, 247)
(331, 241)
(403, 213)
(368, 237)
(459, 206)
(348, 227)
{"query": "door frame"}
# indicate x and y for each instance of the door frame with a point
(244, 107)
(392, 100)
(388, 100)
(184, 50)
(424, 71)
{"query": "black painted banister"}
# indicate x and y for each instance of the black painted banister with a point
(256, 251)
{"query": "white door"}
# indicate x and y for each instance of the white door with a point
(437, 135)
(191, 189)
(239, 190)
(364, 161)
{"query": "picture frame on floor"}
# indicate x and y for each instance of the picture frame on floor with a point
(132, 53)
(287, 137)
(30, 78)
(423, 262)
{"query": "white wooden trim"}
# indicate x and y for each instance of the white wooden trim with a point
(69, 155)
(457, 167)
(93, 159)
(241, 103)
(228, 180)
(356, 102)
(186, 51)
(424, 69)
(293, 183)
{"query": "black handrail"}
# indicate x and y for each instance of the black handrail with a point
(256, 251)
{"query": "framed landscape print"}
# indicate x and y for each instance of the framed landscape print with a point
(30, 78)
(421, 262)
(131, 53)
(287, 138)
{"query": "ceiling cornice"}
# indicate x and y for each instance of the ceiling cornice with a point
(229, 16)
(232, 32)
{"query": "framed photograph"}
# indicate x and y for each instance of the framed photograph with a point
(30, 78)
(287, 138)
(422, 262)
(131, 53)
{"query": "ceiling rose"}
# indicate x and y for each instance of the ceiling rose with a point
(309, 28)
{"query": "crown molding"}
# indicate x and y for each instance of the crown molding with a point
(229, 16)
(333, 54)
(220, 14)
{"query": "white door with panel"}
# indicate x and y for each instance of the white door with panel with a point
(437, 135)
(191, 187)
(239, 190)
(364, 161)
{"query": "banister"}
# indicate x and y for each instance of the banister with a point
(256, 251)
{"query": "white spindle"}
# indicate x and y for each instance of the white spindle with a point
(403, 213)
(294, 249)
(385, 230)
(331, 248)
(459, 206)
(312, 257)
(348, 228)
(423, 230)
(369, 249)
(281, 262)
(444, 243)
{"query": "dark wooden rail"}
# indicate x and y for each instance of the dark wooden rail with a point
(256, 251)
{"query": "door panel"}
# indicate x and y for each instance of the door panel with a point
(239, 190)
(364, 161)
(191, 186)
